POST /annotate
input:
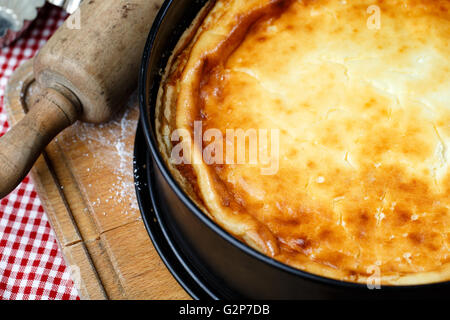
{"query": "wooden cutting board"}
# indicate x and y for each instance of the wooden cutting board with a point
(85, 181)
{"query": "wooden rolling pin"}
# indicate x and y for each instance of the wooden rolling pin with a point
(87, 72)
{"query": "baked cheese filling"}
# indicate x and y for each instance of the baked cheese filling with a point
(358, 92)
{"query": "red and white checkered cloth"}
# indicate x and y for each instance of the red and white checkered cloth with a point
(31, 264)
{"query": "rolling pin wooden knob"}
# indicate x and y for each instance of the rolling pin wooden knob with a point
(88, 72)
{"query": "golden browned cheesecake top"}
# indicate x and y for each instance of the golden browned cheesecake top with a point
(359, 93)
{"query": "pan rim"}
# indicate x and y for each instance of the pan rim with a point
(148, 130)
(166, 247)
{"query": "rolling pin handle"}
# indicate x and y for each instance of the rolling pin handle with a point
(20, 147)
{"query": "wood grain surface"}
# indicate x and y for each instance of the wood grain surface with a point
(85, 182)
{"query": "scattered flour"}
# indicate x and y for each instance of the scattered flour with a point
(111, 145)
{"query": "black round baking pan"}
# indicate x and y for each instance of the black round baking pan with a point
(218, 258)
